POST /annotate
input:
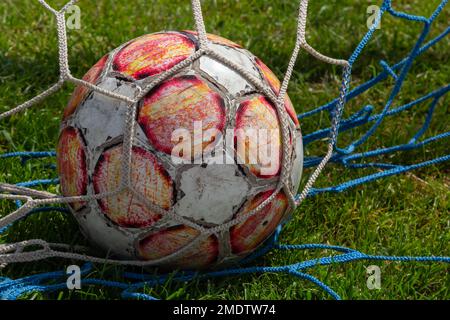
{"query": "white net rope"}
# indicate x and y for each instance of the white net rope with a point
(38, 249)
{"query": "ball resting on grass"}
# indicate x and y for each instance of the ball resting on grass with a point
(190, 207)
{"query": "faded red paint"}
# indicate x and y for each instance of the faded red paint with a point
(71, 163)
(148, 177)
(177, 104)
(257, 114)
(152, 54)
(81, 91)
(250, 233)
(275, 85)
(215, 39)
(173, 239)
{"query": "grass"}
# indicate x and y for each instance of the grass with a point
(402, 215)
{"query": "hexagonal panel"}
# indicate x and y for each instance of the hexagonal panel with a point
(275, 84)
(250, 233)
(71, 163)
(177, 104)
(258, 134)
(152, 54)
(148, 177)
(215, 39)
(173, 239)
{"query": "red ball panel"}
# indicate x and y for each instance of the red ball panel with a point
(177, 104)
(148, 177)
(171, 240)
(250, 233)
(259, 116)
(216, 39)
(71, 162)
(275, 84)
(152, 54)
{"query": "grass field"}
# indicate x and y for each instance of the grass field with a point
(402, 215)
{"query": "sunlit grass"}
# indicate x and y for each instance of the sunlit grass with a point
(403, 215)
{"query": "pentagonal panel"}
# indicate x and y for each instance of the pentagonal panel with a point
(297, 164)
(102, 118)
(212, 193)
(82, 91)
(233, 81)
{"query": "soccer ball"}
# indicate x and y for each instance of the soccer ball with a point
(174, 185)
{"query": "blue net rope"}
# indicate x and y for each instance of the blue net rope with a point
(346, 156)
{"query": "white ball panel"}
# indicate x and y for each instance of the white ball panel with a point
(206, 197)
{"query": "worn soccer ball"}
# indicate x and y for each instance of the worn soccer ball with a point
(204, 95)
